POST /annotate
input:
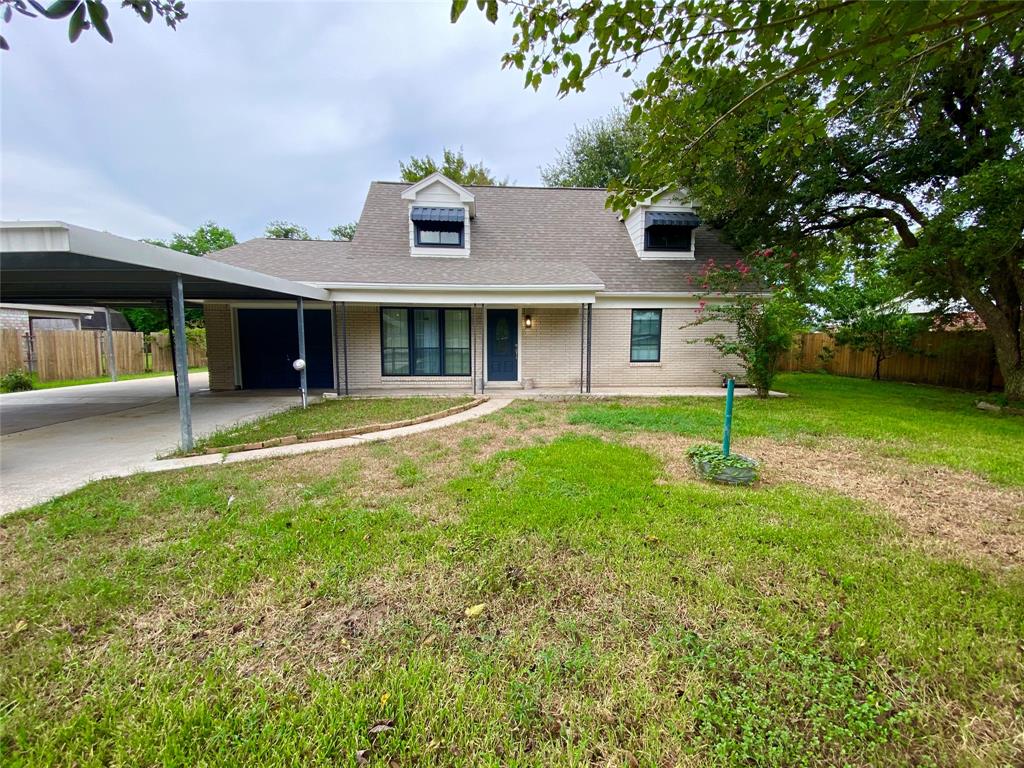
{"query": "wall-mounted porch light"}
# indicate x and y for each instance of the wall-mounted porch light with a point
(528, 321)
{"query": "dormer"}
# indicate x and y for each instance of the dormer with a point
(662, 226)
(440, 212)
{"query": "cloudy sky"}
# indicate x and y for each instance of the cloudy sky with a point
(254, 111)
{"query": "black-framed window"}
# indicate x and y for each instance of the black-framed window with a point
(645, 336)
(668, 237)
(420, 341)
(439, 234)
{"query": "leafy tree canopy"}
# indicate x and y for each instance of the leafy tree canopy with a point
(343, 231)
(596, 154)
(83, 15)
(453, 165)
(208, 237)
(286, 230)
(793, 122)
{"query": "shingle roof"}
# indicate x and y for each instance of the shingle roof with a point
(519, 236)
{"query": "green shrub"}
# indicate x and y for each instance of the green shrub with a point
(16, 381)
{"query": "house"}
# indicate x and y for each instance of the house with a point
(27, 318)
(478, 288)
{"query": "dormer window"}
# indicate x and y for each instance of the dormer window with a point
(669, 231)
(439, 227)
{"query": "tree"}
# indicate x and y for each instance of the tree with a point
(207, 238)
(596, 154)
(286, 230)
(453, 165)
(92, 14)
(755, 297)
(344, 231)
(792, 122)
(868, 311)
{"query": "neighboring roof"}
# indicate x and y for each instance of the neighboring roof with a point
(50, 261)
(519, 236)
(57, 309)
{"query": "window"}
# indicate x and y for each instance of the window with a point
(645, 339)
(438, 227)
(668, 237)
(436, 234)
(424, 342)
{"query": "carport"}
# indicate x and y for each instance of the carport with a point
(56, 263)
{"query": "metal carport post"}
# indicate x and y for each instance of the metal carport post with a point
(181, 364)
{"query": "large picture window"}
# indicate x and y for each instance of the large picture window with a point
(645, 339)
(424, 342)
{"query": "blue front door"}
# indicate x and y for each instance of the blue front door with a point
(502, 345)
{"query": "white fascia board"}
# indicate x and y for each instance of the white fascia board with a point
(441, 295)
(656, 300)
(59, 237)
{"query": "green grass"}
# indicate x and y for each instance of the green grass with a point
(629, 619)
(918, 423)
(328, 415)
(37, 384)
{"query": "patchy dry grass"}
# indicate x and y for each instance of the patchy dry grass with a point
(632, 616)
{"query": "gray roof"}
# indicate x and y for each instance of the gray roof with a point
(520, 236)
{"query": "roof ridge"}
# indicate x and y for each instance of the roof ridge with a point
(500, 186)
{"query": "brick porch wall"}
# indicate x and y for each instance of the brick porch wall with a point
(220, 346)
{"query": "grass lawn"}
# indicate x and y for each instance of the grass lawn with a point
(329, 415)
(37, 384)
(548, 585)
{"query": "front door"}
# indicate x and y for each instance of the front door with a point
(502, 345)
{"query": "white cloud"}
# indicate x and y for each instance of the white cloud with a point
(35, 188)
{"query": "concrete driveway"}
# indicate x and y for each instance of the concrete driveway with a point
(56, 440)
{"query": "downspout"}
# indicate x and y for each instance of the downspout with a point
(483, 349)
(337, 359)
(472, 348)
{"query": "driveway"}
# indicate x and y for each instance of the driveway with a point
(56, 440)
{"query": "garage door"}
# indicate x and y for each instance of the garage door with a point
(268, 342)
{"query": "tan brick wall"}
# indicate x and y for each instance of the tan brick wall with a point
(549, 351)
(683, 364)
(220, 346)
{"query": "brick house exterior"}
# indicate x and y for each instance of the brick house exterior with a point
(465, 288)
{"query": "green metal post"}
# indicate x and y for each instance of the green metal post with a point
(728, 416)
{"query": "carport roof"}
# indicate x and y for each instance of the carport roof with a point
(58, 263)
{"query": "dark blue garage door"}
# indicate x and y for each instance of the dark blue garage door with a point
(268, 342)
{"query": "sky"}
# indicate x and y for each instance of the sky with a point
(253, 111)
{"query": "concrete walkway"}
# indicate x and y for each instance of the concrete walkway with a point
(56, 440)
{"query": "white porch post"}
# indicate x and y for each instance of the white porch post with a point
(302, 351)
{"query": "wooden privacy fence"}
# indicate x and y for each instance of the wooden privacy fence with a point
(11, 357)
(961, 359)
(160, 346)
(57, 355)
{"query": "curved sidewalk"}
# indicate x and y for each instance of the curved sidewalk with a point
(490, 406)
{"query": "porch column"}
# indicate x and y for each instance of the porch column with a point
(181, 364)
(302, 349)
(483, 348)
(344, 339)
(111, 360)
(582, 332)
(472, 347)
(590, 326)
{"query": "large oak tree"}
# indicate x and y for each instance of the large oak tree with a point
(794, 121)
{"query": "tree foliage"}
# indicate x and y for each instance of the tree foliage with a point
(344, 231)
(83, 15)
(759, 298)
(867, 310)
(453, 165)
(793, 121)
(286, 230)
(596, 154)
(206, 238)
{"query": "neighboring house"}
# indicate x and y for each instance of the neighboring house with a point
(469, 287)
(27, 318)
